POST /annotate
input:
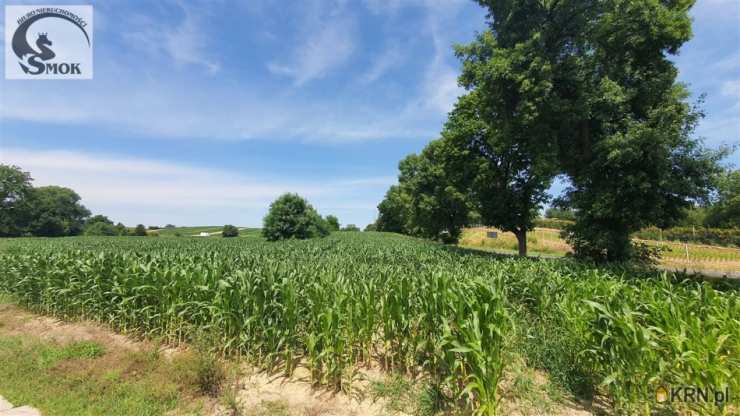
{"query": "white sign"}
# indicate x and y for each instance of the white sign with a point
(48, 42)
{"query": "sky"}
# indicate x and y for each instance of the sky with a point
(203, 112)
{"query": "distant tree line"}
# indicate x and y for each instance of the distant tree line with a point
(556, 89)
(49, 211)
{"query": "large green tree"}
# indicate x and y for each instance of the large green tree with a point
(15, 191)
(333, 222)
(437, 209)
(56, 211)
(291, 216)
(393, 211)
(498, 145)
(602, 89)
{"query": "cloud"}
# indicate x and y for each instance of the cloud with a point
(391, 57)
(731, 88)
(439, 89)
(329, 42)
(138, 90)
(185, 44)
(151, 191)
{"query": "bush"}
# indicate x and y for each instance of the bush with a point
(558, 224)
(333, 222)
(230, 231)
(121, 229)
(291, 216)
(101, 228)
(560, 214)
(140, 230)
(351, 227)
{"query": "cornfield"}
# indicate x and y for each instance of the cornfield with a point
(353, 299)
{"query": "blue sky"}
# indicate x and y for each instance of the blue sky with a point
(204, 112)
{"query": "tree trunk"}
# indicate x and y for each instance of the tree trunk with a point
(521, 239)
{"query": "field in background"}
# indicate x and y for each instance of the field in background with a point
(547, 242)
(214, 230)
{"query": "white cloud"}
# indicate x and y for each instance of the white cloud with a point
(439, 89)
(731, 88)
(185, 44)
(329, 42)
(391, 57)
(150, 191)
(156, 100)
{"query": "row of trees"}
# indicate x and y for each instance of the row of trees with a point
(42, 211)
(49, 211)
(580, 89)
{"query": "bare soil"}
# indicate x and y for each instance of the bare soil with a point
(256, 393)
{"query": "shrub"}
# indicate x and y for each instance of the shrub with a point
(333, 222)
(558, 224)
(560, 214)
(230, 231)
(140, 230)
(101, 228)
(291, 216)
(121, 229)
(351, 227)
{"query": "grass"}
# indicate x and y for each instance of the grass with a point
(80, 379)
(450, 317)
(547, 242)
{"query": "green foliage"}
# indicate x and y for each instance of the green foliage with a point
(426, 202)
(341, 302)
(140, 231)
(121, 229)
(500, 134)
(555, 223)
(371, 227)
(56, 212)
(333, 222)
(291, 216)
(209, 373)
(101, 225)
(230, 231)
(725, 211)
(101, 228)
(591, 93)
(98, 218)
(351, 227)
(15, 192)
(560, 214)
(436, 208)
(393, 211)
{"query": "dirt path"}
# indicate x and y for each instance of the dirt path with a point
(253, 393)
(7, 409)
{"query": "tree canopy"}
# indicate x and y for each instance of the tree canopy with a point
(333, 222)
(15, 192)
(56, 211)
(584, 89)
(291, 216)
